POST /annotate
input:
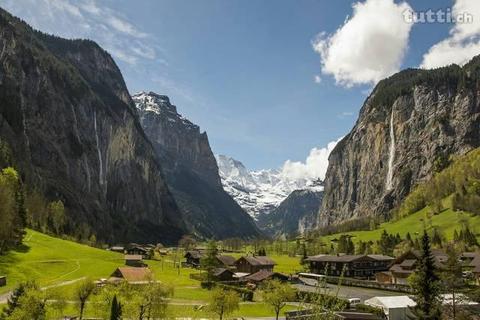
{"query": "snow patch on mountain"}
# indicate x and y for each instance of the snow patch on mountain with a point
(259, 192)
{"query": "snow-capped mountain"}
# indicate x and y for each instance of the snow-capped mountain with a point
(259, 192)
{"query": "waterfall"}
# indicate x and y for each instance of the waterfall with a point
(391, 156)
(98, 147)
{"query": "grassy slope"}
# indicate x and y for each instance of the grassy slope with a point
(49, 261)
(447, 221)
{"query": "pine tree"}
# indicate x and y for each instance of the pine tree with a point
(210, 261)
(426, 285)
(116, 310)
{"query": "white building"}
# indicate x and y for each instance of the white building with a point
(394, 307)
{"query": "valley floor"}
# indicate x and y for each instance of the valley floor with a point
(56, 265)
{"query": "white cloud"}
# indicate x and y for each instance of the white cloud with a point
(87, 19)
(314, 167)
(369, 46)
(463, 42)
(317, 79)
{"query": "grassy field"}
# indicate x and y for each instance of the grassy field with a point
(447, 221)
(49, 261)
(54, 262)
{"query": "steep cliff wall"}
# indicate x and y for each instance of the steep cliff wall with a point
(407, 129)
(191, 171)
(75, 134)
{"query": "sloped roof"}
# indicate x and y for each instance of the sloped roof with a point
(133, 257)
(132, 274)
(195, 254)
(259, 261)
(391, 302)
(264, 275)
(348, 258)
(219, 271)
(227, 260)
(408, 263)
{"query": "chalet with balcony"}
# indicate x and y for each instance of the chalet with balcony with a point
(353, 266)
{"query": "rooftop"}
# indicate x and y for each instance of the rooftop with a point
(348, 258)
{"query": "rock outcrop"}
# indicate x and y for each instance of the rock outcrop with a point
(75, 134)
(294, 216)
(407, 129)
(191, 171)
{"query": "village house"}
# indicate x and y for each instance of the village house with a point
(253, 264)
(353, 266)
(132, 275)
(119, 249)
(226, 261)
(264, 275)
(474, 267)
(405, 265)
(194, 257)
(3, 281)
(144, 251)
(223, 274)
(134, 260)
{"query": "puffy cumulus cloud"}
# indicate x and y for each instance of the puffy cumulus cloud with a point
(314, 167)
(87, 19)
(369, 46)
(464, 40)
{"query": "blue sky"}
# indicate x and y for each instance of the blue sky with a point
(243, 70)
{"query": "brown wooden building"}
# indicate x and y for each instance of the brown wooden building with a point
(254, 264)
(405, 265)
(353, 266)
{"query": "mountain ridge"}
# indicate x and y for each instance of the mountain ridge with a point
(191, 171)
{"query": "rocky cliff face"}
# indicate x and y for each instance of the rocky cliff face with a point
(191, 171)
(295, 215)
(75, 134)
(407, 128)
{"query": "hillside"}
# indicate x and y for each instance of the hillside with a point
(410, 124)
(51, 261)
(446, 222)
(446, 202)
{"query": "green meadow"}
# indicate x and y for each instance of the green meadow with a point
(446, 222)
(56, 264)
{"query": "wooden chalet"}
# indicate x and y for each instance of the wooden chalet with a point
(223, 274)
(353, 266)
(194, 257)
(132, 275)
(405, 265)
(226, 261)
(134, 260)
(253, 264)
(264, 275)
(135, 249)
